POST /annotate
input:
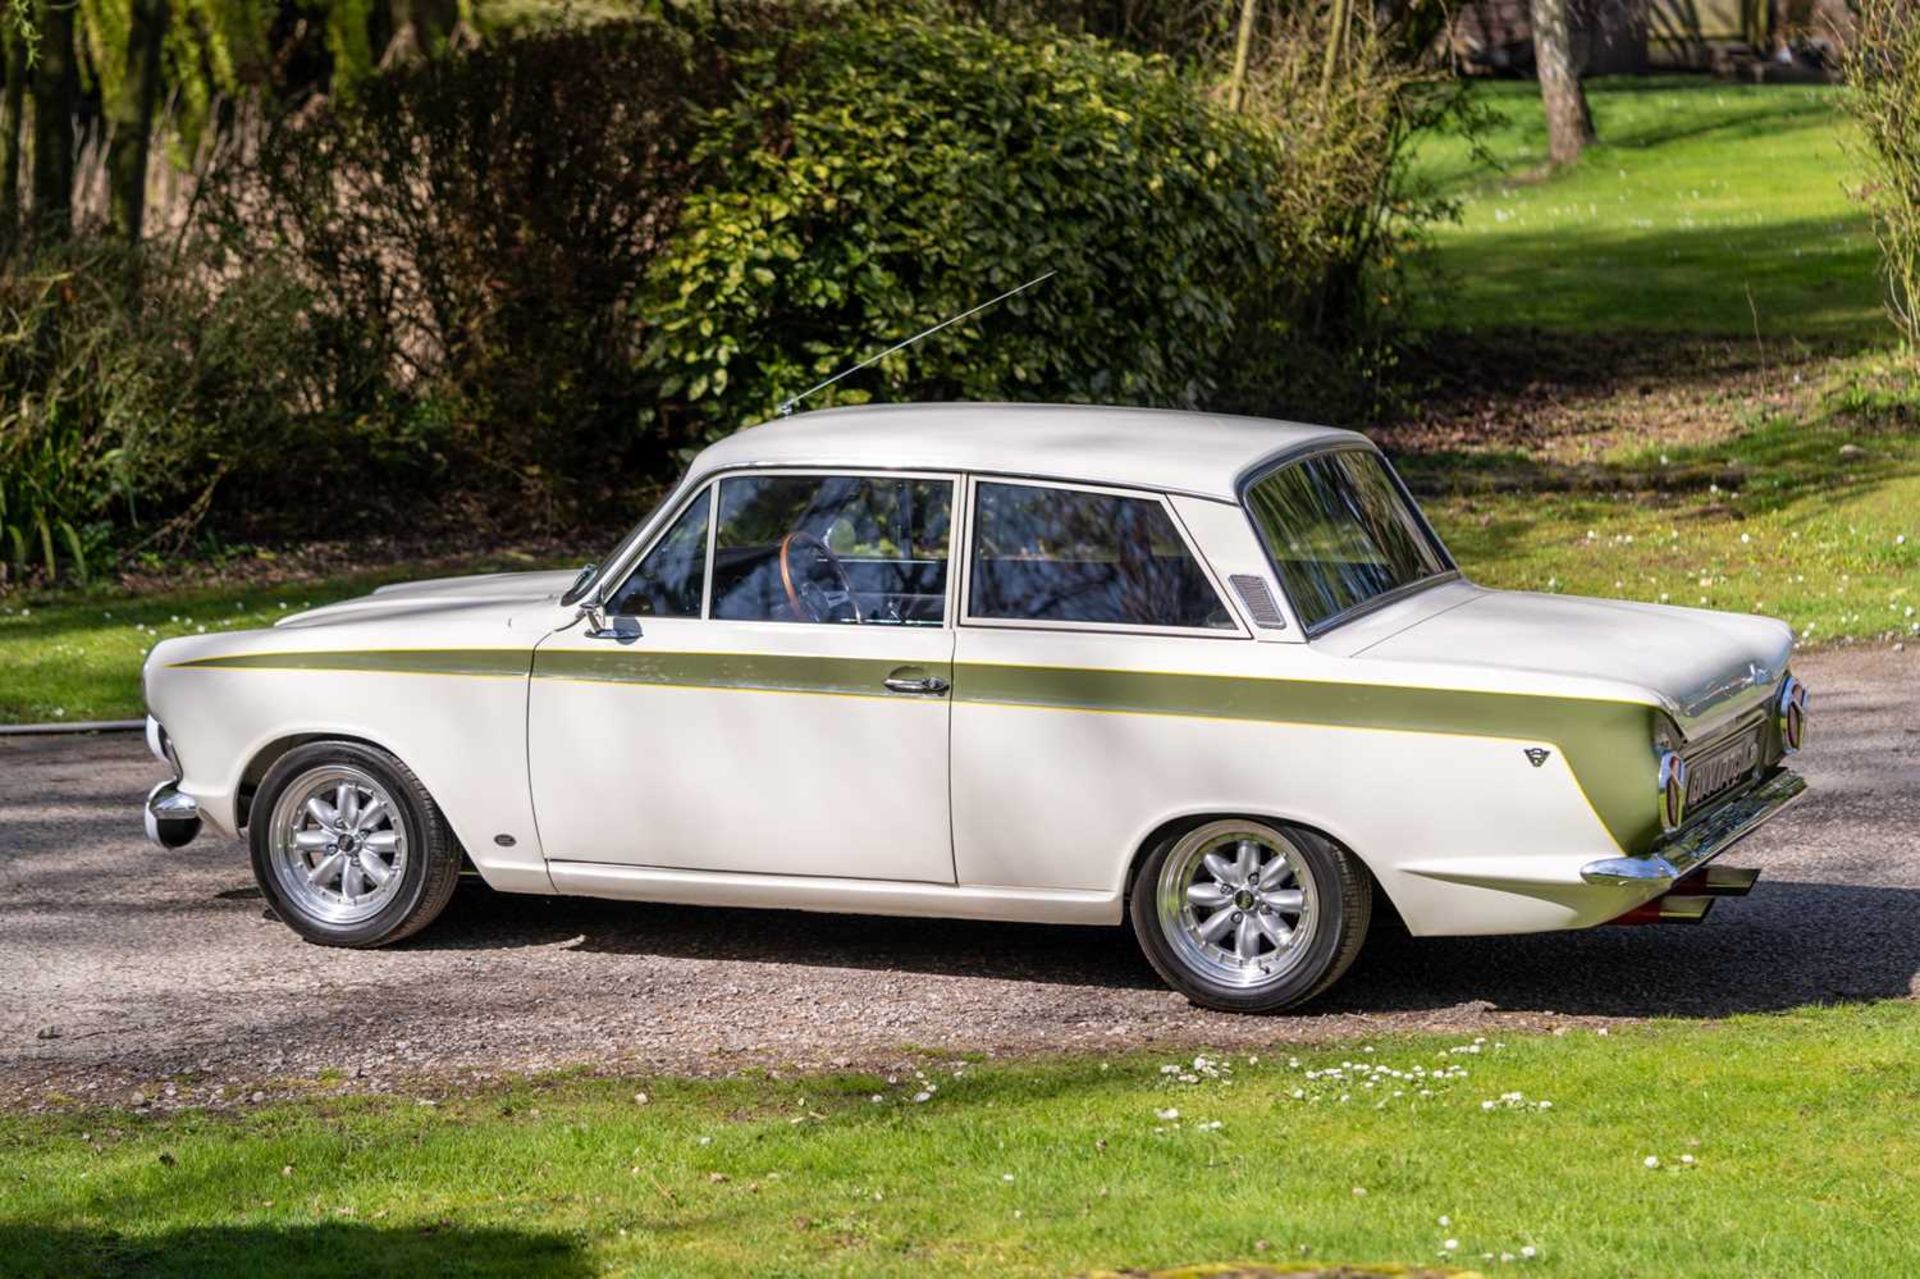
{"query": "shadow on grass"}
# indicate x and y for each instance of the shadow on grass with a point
(291, 1251)
(1810, 278)
(1773, 466)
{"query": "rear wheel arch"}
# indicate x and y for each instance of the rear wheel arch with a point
(1335, 878)
(1174, 827)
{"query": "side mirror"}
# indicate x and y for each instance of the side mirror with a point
(621, 630)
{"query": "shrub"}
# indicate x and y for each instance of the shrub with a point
(1347, 214)
(129, 385)
(1883, 75)
(878, 175)
(472, 227)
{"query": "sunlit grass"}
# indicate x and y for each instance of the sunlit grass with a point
(1707, 208)
(1784, 1145)
(1813, 521)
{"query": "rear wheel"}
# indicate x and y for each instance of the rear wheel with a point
(349, 847)
(1245, 915)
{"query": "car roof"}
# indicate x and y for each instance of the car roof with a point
(1204, 454)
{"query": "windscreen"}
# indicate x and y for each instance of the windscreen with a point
(1341, 532)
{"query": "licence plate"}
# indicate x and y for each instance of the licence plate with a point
(1721, 768)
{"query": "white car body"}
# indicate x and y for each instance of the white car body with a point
(1492, 757)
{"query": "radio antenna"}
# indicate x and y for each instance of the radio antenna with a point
(787, 405)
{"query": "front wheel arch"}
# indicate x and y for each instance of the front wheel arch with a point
(270, 753)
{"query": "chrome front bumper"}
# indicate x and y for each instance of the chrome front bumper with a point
(173, 818)
(1712, 835)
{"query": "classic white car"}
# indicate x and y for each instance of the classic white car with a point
(1213, 677)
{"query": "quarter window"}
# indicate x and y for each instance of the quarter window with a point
(832, 549)
(1045, 554)
(671, 580)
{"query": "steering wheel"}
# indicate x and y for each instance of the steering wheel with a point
(805, 597)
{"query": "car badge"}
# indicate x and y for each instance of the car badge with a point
(1537, 755)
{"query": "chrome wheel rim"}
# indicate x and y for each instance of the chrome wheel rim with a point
(1237, 903)
(338, 844)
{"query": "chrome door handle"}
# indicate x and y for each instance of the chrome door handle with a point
(926, 685)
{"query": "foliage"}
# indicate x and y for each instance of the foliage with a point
(1883, 78)
(875, 176)
(471, 230)
(533, 272)
(1347, 211)
(112, 395)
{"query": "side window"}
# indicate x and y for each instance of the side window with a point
(855, 549)
(670, 580)
(1062, 555)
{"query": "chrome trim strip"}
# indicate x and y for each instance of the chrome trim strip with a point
(1711, 836)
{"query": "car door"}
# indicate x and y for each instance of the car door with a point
(769, 694)
(1084, 609)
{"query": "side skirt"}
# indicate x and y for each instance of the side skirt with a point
(838, 896)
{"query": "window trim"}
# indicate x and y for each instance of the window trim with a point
(711, 483)
(1353, 612)
(595, 599)
(975, 479)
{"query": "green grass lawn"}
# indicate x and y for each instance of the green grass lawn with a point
(1785, 1145)
(1812, 519)
(1705, 208)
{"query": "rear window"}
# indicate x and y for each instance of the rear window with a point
(1047, 554)
(1341, 532)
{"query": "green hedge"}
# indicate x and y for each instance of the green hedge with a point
(871, 179)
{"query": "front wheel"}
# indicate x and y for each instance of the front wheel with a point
(348, 846)
(1247, 916)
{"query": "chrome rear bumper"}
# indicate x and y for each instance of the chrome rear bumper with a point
(1705, 840)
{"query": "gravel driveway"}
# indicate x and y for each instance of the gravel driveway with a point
(127, 968)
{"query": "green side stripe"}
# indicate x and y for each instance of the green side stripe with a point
(406, 661)
(1606, 744)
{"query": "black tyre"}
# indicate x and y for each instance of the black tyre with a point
(348, 846)
(1244, 915)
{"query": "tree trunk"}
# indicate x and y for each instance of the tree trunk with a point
(130, 118)
(13, 111)
(1339, 17)
(55, 82)
(1569, 123)
(1242, 46)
